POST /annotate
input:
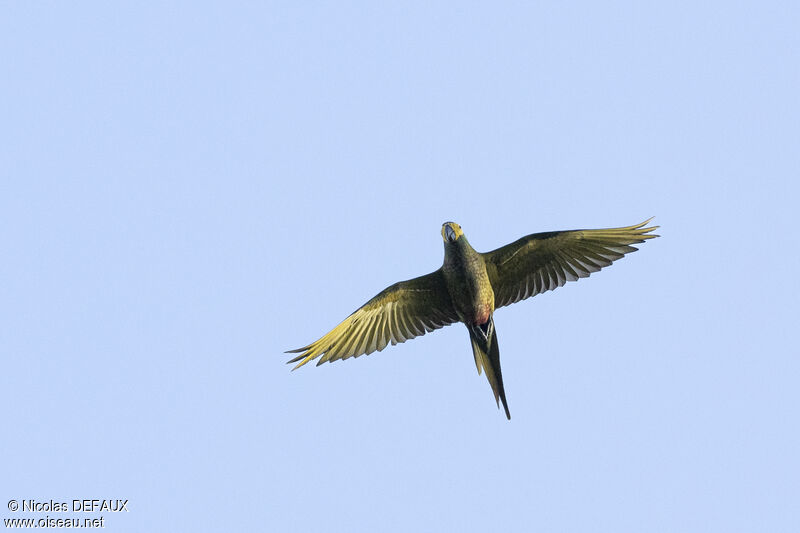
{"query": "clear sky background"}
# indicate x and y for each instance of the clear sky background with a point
(190, 189)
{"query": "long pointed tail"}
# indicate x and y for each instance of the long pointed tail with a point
(487, 357)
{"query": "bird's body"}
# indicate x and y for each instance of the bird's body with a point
(471, 292)
(467, 282)
(468, 287)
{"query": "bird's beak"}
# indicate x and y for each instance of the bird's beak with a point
(449, 233)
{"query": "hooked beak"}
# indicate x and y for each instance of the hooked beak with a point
(449, 233)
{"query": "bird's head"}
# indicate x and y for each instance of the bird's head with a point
(451, 232)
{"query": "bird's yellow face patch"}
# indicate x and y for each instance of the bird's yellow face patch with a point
(451, 232)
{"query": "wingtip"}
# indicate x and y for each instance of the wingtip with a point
(643, 224)
(302, 358)
(298, 350)
(298, 365)
(644, 231)
(652, 228)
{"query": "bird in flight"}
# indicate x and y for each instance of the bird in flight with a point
(468, 287)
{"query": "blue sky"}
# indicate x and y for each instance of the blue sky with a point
(190, 189)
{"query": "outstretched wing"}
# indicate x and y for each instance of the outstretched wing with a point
(543, 261)
(398, 313)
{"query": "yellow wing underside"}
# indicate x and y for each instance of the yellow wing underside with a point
(401, 312)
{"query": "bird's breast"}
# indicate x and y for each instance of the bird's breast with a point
(470, 289)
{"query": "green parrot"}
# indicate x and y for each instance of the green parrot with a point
(468, 287)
